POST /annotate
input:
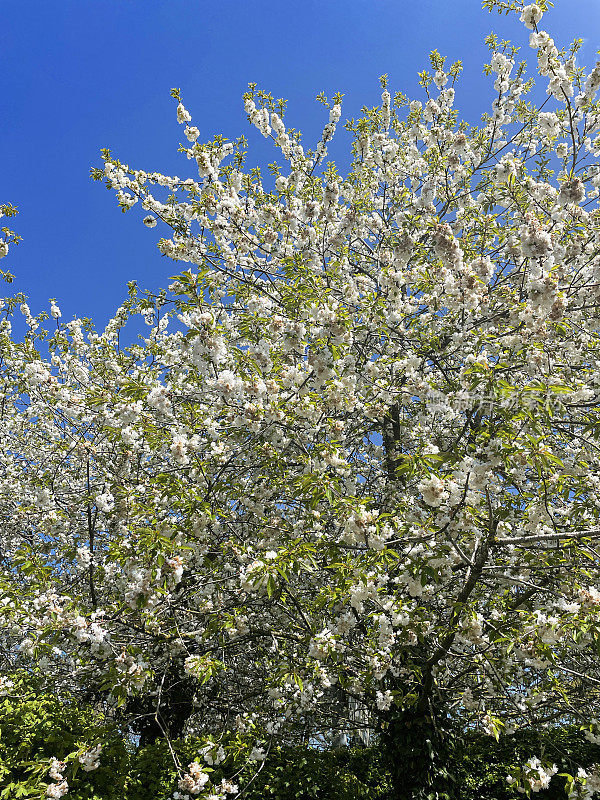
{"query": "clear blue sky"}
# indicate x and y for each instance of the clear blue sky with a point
(80, 75)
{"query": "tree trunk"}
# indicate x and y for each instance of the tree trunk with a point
(415, 745)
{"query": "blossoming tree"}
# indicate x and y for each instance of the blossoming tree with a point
(355, 457)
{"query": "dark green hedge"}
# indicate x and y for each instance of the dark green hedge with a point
(288, 774)
(36, 725)
(303, 774)
(480, 764)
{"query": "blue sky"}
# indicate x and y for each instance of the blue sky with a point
(80, 75)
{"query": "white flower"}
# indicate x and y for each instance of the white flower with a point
(90, 760)
(572, 191)
(537, 776)
(159, 399)
(61, 787)
(83, 557)
(483, 267)
(149, 221)
(592, 83)
(433, 490)
(176, 565)
(191, 133)
(589, 596)
(535, 241)
(183, 115)
(194, 781)
(213, 755)
(36, 373)
(531, 15)
(335, 114)
(549, 124)
(57, 790)
(179, 449)
(227, 383)
(501, 64)
(384, 700)
(440, 79)
(105, 502)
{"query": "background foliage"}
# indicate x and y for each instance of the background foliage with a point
(36, 724)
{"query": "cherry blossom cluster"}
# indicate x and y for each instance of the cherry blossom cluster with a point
(59, 788)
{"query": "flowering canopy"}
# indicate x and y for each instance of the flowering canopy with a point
(356, 454)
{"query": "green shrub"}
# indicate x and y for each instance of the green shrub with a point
(480, 764)
(36, 725)
(309, 774)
